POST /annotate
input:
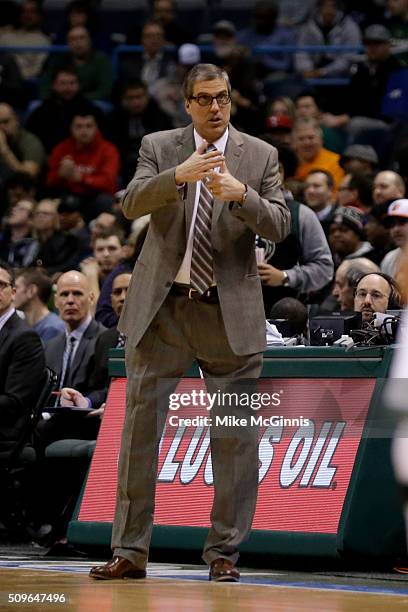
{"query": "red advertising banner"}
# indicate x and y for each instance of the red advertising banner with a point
(307, 449)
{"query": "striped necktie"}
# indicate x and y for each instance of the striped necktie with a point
(201, 272)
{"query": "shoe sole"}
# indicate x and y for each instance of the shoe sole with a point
(135, 576)
(224, 579)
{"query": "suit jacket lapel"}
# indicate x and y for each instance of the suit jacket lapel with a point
(83, 345)
(184, 149)
(233, 156)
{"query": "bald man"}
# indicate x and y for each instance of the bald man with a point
(20, 151)
(347, 274)
(71, 354)
(388, 186)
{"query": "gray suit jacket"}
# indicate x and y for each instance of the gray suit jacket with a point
(153, 190)
(84, 356)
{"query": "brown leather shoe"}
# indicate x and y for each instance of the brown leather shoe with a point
(115, 569)
(222, 570)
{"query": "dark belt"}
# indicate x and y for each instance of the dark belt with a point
(210, 296)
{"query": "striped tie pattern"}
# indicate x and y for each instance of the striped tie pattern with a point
(201, 273)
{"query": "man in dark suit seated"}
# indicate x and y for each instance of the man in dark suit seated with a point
(22, 363)
(71, 355)
(110, 338)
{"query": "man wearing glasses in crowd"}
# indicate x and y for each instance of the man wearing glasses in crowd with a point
(195, 294)
(376, 292)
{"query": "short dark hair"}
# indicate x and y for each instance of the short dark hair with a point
(10, 271)
(39, 278)
(20, 179)
(395, 301)
(203, 72)
(107, 232)
(292, 309)
(288, 158)
(132, 84)
(364, 187)
(328, 175)
(66, 69)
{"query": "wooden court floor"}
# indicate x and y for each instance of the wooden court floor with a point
(161, 594)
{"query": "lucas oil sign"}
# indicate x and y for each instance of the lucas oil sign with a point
(308, 441)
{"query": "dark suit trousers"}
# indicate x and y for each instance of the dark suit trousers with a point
(183, 330)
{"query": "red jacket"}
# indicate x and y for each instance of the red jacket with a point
(98, 162)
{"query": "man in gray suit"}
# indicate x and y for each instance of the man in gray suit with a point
(195, 294)
(71, 356)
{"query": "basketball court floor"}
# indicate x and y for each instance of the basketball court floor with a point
(39, 583)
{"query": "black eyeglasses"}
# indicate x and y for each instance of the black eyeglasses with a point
(206, 100)
(3, 285)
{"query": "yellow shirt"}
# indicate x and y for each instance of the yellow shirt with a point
(325, 160)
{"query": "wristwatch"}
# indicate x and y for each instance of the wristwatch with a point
(285, 282)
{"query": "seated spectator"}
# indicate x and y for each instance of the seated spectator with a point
(359, 158)
(306, 107)
(308, 144)
(397, 222)
(347, 236)
(19, 186)
(377, 234)
(318, 195)
(57, 251)
(71, 356)
(165, 13)
(33, 292)
(28, 34)
(110, 338)
(81, 13)
(22, 364)
(71, 221)
(345, 280)
(266, 31)
(153, 64)
(397, 24)
(387, 187)
(93, 67)
(51, 121)
(356, 190)
(106, 256)
(168, 91)
(98, 226)
(20, 151)
(282, 106)
(139, 114)
(18, 247)
(85, 164)
(368, 85)
(302, 263)
(376, 292)
(11, 84)
(328, 26)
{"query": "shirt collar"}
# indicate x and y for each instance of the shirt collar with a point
(79, 331)
(6, 316)
(219, 144)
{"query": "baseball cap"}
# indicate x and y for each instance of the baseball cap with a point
(224, 27)
(189, 54)
(359, 151)
(352, 217)
(279, 122)
(69, 204)
(398, 208)
(377, 33)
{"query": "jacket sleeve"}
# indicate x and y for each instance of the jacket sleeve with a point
(25, 373)
(316, 267)
(150, 189)
(265, 212)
